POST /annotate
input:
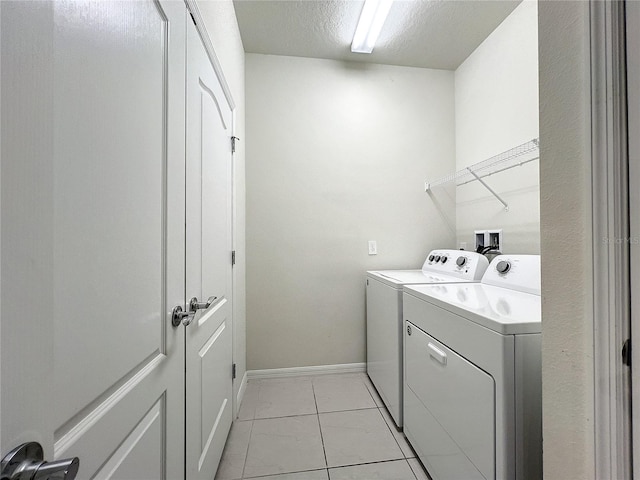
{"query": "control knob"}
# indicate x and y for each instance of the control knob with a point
(431, 257)
(461, 261)
(503, 266)
(437, 258)
(444, 259)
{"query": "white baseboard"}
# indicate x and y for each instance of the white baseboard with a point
(313, 370)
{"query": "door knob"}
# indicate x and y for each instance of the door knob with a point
(26, 462)
(179, 316)
(194, 305)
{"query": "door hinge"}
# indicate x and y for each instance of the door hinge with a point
(626, 352)
(233, 257)
(233, 144)
(233, 371)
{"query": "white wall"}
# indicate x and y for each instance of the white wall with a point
(565, 207)
(220, 20)
(496, 98)
(337, 154)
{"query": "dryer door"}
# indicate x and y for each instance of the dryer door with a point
(454, 417)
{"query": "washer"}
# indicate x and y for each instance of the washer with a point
(473, 382)
(384, 315)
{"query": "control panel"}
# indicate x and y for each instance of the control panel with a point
(460, 263)
(516, 272)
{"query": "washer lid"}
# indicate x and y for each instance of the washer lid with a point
(502, 310)
(397, 278)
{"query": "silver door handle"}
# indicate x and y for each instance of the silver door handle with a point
(179, 316)
(194, 305)
(26, 462)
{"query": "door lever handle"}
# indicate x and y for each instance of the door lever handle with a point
(194, 305)
(179, 316)
(27, 462)
(59, 470)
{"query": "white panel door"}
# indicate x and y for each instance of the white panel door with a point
(208, 234)
(93, 230)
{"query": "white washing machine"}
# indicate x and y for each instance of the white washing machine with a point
(473, 382)
(384, 315)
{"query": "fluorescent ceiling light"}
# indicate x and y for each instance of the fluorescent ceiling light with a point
(373, 15)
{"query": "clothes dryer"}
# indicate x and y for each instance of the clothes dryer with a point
(384, 315)
(473, 382)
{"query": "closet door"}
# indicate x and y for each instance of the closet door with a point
(208, 243)
(93, 233)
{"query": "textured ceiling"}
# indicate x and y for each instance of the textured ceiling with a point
(419, 33)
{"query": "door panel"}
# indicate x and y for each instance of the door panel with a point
(115, 266)
(208, 240)
(115, 248)
(140, 454)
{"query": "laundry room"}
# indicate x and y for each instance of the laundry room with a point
(345, 261)
(343, 160)
(342, 166)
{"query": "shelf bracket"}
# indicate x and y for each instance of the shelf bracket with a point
(506, 207)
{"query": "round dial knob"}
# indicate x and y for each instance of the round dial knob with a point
(431, 257)
(503, 266)
(461, 261)
(437, 258)
(444, 259)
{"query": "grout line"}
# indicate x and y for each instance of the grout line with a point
(309, 414)
(324, 450)
(244, 465)
(283, 416)
(371, 388)
(285, 473)
(374, 463)
(423, 470)
(350, 409)
(398, 433)
(246, 453)
(392, 433)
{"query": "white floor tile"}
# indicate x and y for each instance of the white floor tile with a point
(342, 392)
(284, 445)
(398, 435)
(396, 470)
(285, 398)
(235, 452)
(359, 436)
(418, 469)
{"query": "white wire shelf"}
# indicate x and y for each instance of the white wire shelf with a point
(513, 157)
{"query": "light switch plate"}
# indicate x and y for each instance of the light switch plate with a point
(373, 247)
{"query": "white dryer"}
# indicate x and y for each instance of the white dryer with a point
(473, 382)
(384, 315)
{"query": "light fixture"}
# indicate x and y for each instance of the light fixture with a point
(374, 13)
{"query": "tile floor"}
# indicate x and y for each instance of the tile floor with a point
(324, 427)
